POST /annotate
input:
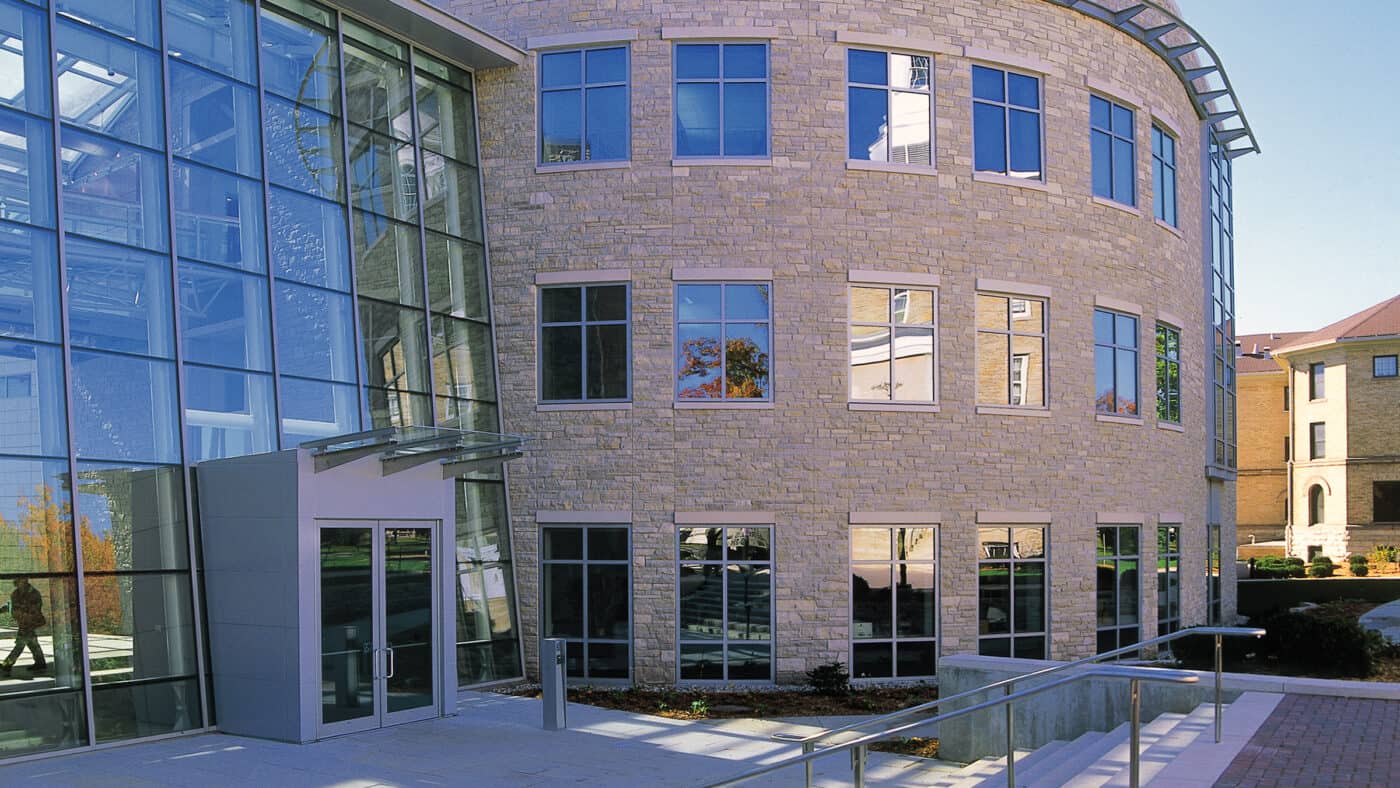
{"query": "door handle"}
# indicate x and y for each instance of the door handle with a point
(390, 673)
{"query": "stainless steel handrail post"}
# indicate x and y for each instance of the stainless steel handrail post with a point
(1135, 757)
(809, 747)
(858, 766)
(1010, 742)
(1219, 671)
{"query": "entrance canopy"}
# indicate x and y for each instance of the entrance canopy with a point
(400, 448)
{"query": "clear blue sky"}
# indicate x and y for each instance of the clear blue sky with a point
(1318, 213)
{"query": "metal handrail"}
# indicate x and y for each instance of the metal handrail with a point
(809, 741)
(858, 747)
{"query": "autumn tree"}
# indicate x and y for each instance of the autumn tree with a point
(745, 369)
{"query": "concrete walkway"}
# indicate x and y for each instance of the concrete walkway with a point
(1384, 619)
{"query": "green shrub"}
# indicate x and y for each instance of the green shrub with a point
(1275, 567)
(1315, 642)
(1383, 554)
(829, 679)
(1358, 565)
(1321, 566)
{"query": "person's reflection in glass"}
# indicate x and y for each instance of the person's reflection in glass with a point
(27, 607)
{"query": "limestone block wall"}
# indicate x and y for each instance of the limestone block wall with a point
(809, 460)
(1263, 468)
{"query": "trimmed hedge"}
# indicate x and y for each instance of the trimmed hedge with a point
(1314, 642)
(1274, 567)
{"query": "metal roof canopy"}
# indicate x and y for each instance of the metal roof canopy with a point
(437, 30)
(401, 448)
(1193, 60)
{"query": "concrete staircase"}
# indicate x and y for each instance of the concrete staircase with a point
(1178, 750)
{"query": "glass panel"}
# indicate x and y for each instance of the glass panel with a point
(1099, 113)
(913, 307)
(697, 61)
(223, 317)
(608, 598)
(139, 626)
(456, 277)
(607, 122)
(119, 299)
(561, 126)
(383, 175)
(1123, 172)
(124, 408)
(870, 304)
(868, 123)
(872, 661)
(916, 600)
(746, 302)
(299, 61)
(1028, 368)
(870, 68)
(445, 122)
(745, 118)
(128, 712)
(607, 361)
(1122, 121)
(377, 91)
(114, 192)
(870, 363)
(993, 363)
(1101, 147)
(214, 121)
(745, 61)
(36, 525)
(746, 361)
(698, 302)
(1104, 395)
(564, 544)
(462, 359)
(32, 415)
(26, 179)
(1022, 91)
(749, 662)
(608, 660)
(133, 518)
(228, 414)
(988, 83)
(134, 19)
(911, 132)
(701, 544)
(216, 34)
(408, 620)
(909, 71)
(1030, 543)
(1030, 597)
(917, 659)
(347, 632)
(698, 361)
(108, 86)
(913, 364)
(40, 639)
(398, 408)
(607, 302)
(1029, 648)
(395, 346)
(702, 663)
(697, 118)
(750, 599)
(453, 199)
(870, 544)
(989, 137)
(1025, 144)
(561, 69)
(52, 722)
(387, 259)
(24, 72)
(1128, 592)
(315, 333)
(701, 603)
(1126, 385)
(308, 240)
(563, 601)
(303, 148)
(872, 601)
(606, 65)
(312, 410)
(607, 544)
(916, 544)
(464, 414)
(561, 363)
(218, 218)
(992, 312)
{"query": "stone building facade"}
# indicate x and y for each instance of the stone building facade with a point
(807, 470)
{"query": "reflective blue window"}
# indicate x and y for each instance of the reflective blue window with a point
(32, 416)
(228, 414)
(395, 346)
(445, 115)
(1113, 147)
(224, 317)
(134, 19)
(29, 284)
(113, 191)
(315, 333)
(26, 182)
(109, 86)
(723, 341)
(584, 105)
(218, 218)
(304, 149)
(313, 409)
(119, 299)
(1163, 176)
(299, 61)
(216, 34)
(377, 92)
(890, 109)
(124, 408)
(24, 58)
(388, 259)
(141, 507)
(214, 121)
(1006, 123)
(308, 240)
(721, 100)
(453, 197)
(383, 175)
(1115, 363)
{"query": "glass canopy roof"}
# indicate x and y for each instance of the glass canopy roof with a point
(400, 448)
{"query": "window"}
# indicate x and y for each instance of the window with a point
(1118, 597)
(1385, 502)
(1287, 448)
(1011, 591)
(723, 336)
(1115, 363)
(1168, 374)
(1317, 511)
(892, 344)
(1317, 388)
(1010, 351)
(1317, 448)
(1006, 123)
(586, 595)
(721, 100)
(894, 602)
(1287, 395)
(1163, 176)
(1384, 367)
(584, 343)
(725, 591)
(1111, 141)
(1215, 608)
(584, 105)
(1168, 579)
(889, 110)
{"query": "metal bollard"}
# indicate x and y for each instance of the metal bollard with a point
(553, 683)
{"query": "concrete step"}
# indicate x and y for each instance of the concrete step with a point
(1026, 764)
(1071, 760)
(1110, 764)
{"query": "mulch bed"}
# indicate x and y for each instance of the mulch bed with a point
(688, 704)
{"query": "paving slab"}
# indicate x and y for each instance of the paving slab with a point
(1316, 740)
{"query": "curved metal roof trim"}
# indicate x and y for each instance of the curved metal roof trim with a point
(1176, 42)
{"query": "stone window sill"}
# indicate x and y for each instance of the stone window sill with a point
(895, 407)
(1170, 426)
(721, 405)
(1007, 180)
(1124, 207)
(885, 166)
(719, 161)
(1110, 419)
(1173, 230)
(548, 407)
(582, 166)
(1012, 410)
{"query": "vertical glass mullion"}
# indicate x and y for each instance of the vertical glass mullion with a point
(267, 232)
(889, 305)
(583, 344)
(361, 375)
(61, 246)
(180, 366)
(420, 194)
(724, 593)
(723, 314)
(583, 606)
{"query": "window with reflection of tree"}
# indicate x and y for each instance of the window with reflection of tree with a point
(723, 341)
(894, 602)
(1168, 374)
(725, 591)
(1115, 363)
(1168, 579)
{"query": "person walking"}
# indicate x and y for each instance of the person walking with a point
(27, 606)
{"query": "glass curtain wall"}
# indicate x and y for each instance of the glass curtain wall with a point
(226, 227)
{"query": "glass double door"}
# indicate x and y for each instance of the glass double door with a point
(378, 622)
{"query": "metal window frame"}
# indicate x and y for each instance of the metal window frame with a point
(1317, 440)
(928, 91)
(723, 322)
(1006, 106)
(1317, 380)
(583, 323)
(1171, 366)
(1117, 557)
(1116, 346)
(724, 640)
(582, 87)
(584, 561)
(1170, 622)
(892, 563)
(1012, 634)
(1164, 170)
(890, 326)
(1132, 200)
(1010, 333)
(721, 81)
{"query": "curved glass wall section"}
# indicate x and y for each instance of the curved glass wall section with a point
(226, 227)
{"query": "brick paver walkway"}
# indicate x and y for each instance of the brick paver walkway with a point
(1316, 740)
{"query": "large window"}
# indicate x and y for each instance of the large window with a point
(1011, 592)
(889, 107)
(1115, 363)
(1163, 176)
(1385, 367)
(488, 644)
(1168, 579)
(1317, 440)
(894, 602)
(584, 105)
(1113, 148)
(1385, 502)
(584, 343)
(1221, 373)
(721, 100)
(892, 344)
(1215, 606)
(1011, 350)
(1317, 504)
(724, 584)
(1317, 381)
(1168, 374)
(1006, 124)
(1118, 558)
(586, 596)
(723, 341)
